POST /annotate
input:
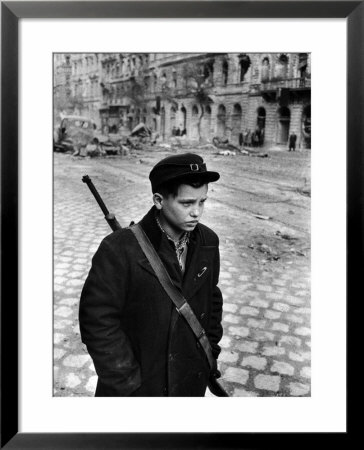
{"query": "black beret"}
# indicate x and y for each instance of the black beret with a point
(181, 166)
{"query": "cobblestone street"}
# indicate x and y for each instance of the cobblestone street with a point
(262, 217)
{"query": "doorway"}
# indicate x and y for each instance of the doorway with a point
(284, 119)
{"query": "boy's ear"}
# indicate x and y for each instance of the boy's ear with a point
(158, 201)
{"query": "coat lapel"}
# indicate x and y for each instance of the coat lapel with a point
(199, 258)
(163, 248)
(199, 266)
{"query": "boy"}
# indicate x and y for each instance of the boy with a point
(139, 343)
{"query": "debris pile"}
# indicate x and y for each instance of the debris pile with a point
(277, 247)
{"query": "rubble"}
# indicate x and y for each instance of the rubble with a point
(226, 153)
(259, 155)
(277, 247)
(285, 236)
(223, 144)
(141, 130)
(259, 216)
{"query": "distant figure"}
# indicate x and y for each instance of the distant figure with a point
(247, 138)
(292, 142)
(178, 132)
(256, 138)
(184, 132)
(174, 131)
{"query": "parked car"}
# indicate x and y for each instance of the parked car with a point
(74, 133)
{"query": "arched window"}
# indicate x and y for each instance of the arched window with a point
(194, 122)
(225, 72)
(265, 69)
(174, 79)
(184, 119)
(282, 66)
(302, 64)
(172, 118)
(283, 59)
(244, 65)
(206, 124)
(208, 71)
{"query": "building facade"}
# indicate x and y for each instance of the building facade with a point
(202, 96)
(61, 83)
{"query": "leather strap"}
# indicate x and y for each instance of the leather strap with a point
(181, 304)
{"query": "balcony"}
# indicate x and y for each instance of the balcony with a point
(275, 89)
(287, 83)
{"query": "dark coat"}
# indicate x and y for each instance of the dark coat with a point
(292, 140)
(139, 344)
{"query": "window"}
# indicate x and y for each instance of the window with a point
(244, 66)
(302, 64)
(281, 66)
(265, 69)
(225, 72)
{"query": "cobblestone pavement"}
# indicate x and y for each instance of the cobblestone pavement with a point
(265, 264)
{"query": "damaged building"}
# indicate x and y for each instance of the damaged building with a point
(234, 96)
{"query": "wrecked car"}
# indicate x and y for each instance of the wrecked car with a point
(74, 133)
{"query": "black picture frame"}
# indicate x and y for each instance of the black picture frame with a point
(11, 12)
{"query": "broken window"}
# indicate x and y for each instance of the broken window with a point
(244, 63)
(208, 71)
(225, 72)
(302, 64)
(282, 66)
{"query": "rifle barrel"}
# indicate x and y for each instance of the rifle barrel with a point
(86, 179)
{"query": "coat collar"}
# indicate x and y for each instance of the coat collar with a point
(199, 257)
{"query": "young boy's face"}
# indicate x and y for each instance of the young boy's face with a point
(183, 212)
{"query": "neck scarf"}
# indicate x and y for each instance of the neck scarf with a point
(179, 245)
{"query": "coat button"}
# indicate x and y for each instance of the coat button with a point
(165, 391)
(198, 345)
(202, 315)
(199, 375)
(171, 357)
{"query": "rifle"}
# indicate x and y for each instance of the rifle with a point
(214, 386)
(109, 217)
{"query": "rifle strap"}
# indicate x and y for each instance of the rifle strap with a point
(181, 304)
